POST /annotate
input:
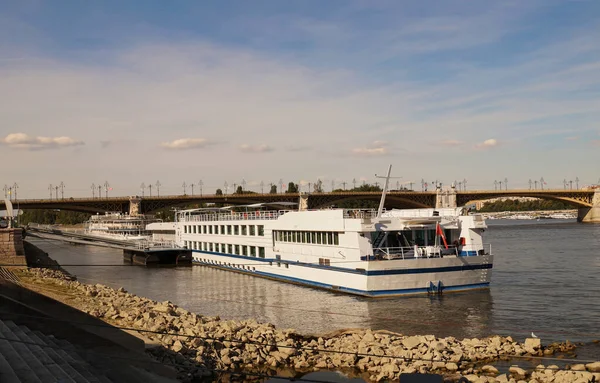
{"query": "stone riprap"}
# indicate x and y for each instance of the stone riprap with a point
(199, 344)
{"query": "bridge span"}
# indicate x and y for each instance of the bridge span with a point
(587, 201)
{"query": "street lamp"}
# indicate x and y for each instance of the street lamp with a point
(192, 185)
(262, 187)
(226, 185)
(505, 183)
(143, 188)
(184, 186)
(93, 187)
(200, 184)
(15, 187)
(62, 190)
(243, 185)
(51, 188)
(577, 183)
(495, 185)
(158, 185)
(106, 188)
(542, 183)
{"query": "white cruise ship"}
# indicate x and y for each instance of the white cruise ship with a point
(363, 252)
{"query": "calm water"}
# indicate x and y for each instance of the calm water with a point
(545, 280)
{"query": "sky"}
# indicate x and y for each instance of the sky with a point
(253, 92)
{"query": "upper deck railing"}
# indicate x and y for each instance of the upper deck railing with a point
(234, 216)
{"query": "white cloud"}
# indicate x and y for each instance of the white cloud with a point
(489, 143)
(247, 148)
(186, 143)
(26, 142)
(376, 149)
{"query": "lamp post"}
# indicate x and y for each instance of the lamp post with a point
(51, 188)
(505, 183)
(56, 194)
(143, 188)
(243, 186)
(15, 187)
(184, 185)
(93, 187)
(530, 182)
(542, 183)
(200, 184)
(150, 189)
(226, 186)
(106, 187)
(565, 184)
(158, 185)
(192, 185)
(281, 185)
(353, 183)
(577, 183)
(262, 187)
(495, 185)
(99, 191)
(464, 184)
(62, 190)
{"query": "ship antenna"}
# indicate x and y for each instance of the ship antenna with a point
(385, 187)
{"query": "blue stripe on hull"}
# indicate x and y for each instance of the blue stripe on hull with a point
(421, 270)
(376, 293)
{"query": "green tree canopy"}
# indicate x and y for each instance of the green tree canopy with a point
(292, 188)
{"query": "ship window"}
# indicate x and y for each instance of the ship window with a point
(313, 237)
(199, 229)
(236, 230)
(319, 238)
(216, 229)
(254, 269)
(330, 238)
(230, 249)
(252, 251)
(303, 237)
(222, 229)
(184, 229)
(287, 266)
(261, 230)
(336, 238)
(252, 230)
(210, 229)
(228, 229)
(244, 250)
(244, 230)
(261, 252)
(324, 261)
(294, 236)
(210, 247)
(237, 249)
(194, 227)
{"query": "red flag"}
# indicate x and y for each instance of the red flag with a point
(440, 232)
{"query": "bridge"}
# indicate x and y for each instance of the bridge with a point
(587, 201)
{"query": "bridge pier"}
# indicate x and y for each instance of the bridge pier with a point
(135, 204)
(590, 214)
(445, 198)
(303, 202)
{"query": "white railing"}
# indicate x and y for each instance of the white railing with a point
(414, 252)
(242, 216)
(156, 245)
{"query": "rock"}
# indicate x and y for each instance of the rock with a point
(489, 369)
(412, 342)
(177, 346)
(438, 365)
(593, 367)
(451, 366)
(517, 371)
(578, 367)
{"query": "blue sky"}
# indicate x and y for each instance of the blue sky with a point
(176, 91)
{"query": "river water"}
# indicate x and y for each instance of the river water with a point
(545, 280)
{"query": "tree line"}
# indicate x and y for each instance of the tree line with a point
(516, 205)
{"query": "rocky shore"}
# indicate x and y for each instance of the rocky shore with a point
(200, 345)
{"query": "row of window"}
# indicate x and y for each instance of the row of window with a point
(226, 248)
(316, 237)
(225, 229)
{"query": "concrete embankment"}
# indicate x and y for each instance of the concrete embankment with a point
(200, 344)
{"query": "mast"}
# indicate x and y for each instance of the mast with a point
(385, 187)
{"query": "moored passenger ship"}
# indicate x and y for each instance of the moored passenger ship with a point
(363, 252)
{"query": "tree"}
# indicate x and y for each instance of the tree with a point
(273, 189)
(318, 187)
(239, 190)
(219, 192)
(292, 188)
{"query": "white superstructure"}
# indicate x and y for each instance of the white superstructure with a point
(120, 226)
